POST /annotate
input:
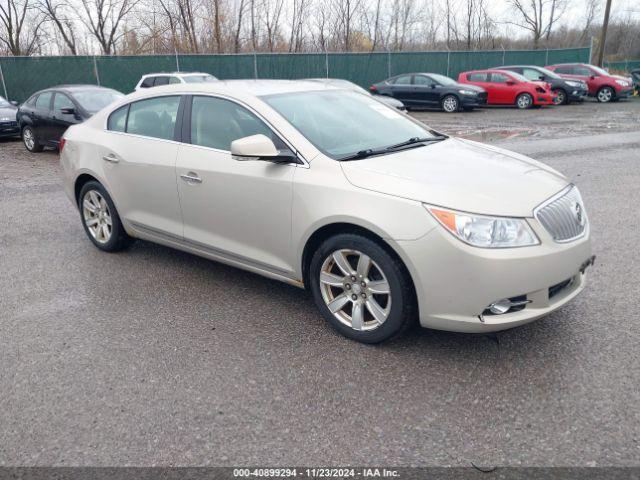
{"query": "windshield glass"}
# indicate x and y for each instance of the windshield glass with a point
(199, 78)
(94, 100)
(599, 70)
(341, 123)
(548, 73)
(442, 80)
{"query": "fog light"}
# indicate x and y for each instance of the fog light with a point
(500, 307)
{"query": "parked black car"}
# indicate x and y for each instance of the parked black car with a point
(45, 116)
(346, 84)
(565, 90)
(8, 123)
(635, 75)
(431, 90)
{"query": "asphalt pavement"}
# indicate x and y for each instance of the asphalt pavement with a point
(157, 357)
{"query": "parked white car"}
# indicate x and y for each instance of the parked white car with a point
(383, 219)
(160, 79)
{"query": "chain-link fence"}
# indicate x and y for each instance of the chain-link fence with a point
(623, 65)
(22, 76)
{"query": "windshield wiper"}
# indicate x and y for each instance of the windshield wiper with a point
(411, 143)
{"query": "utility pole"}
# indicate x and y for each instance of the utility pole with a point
(603, 33)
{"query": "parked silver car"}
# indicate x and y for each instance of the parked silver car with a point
(382, 218)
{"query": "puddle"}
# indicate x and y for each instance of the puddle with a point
(491, 135)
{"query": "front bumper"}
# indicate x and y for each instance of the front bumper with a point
(455, 282)
(624, 93)
(9, 129)
(543, 99)
(473, 100)
(577, 95)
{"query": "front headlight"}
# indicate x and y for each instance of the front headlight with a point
(622, 83)
(468, 92)
(573, 84)
(485, 231)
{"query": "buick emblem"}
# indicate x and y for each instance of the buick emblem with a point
(578, 213)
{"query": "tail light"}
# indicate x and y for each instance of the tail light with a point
(62, 142)
(373, 88)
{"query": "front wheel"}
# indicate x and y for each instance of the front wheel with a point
(524, 101)
(360, 289)
(100, 219)
(605, 94)
(560, 97)
(450, 104)
(30, 140)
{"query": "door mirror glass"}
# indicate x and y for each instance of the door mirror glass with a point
(259, 147)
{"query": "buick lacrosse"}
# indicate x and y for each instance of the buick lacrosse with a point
(383, 219)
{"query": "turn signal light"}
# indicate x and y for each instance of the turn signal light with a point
(62, 142)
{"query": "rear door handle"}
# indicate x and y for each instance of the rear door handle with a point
(191, 177)
(111, 158)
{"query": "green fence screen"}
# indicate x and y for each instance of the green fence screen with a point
(22, 76)
(624, 65)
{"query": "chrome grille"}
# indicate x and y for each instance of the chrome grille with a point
(563, 216)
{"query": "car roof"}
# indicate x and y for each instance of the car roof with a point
(184, 74)
(517, 66)
(70, 88)
(254, 88)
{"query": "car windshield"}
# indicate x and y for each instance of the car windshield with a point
(341, 123)
(548, 73)
(599, 70)
(442, 80)
(95, 100)
(199, 78)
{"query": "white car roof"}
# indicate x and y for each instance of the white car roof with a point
(178, 74)
(238, 88)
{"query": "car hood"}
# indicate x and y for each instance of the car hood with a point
(8, 112)
(461, 175)
(468, 86)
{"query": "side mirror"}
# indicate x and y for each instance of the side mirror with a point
(433, 85)
(592, 77)
(14, 103)
(510, 82)
(68, 111)
(260, 147)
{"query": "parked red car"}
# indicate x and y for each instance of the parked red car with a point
(509, 88)
(602, 85)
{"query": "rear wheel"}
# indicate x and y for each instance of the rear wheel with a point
(561, 97)
(450, 104)
(524, 101)
(100, 219)
(360, 289)
(30, 140)
(605, 94)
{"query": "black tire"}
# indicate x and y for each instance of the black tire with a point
(34, 147)
(450, 104)
(119, 239)
(605, 95)
(524, 101)
(561, 97)
(402, 309)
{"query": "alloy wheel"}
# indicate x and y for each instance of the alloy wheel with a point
(96, 216)
(28, 138)
(560, 97)
(524, 101)
(355, 289)
(605, 95)
(450, 104)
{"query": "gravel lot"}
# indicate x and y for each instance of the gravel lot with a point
(156, 357)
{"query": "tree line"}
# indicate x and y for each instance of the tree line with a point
(132, 27)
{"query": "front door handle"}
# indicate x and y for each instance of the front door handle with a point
(111, 158)
(191, 177)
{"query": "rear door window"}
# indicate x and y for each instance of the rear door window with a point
(477, 77)
(423, 80)
(43, 102)
(584, 71)
(155, 117)
(566, 70)
(499, 78)
(160, 81)
(402, 80)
